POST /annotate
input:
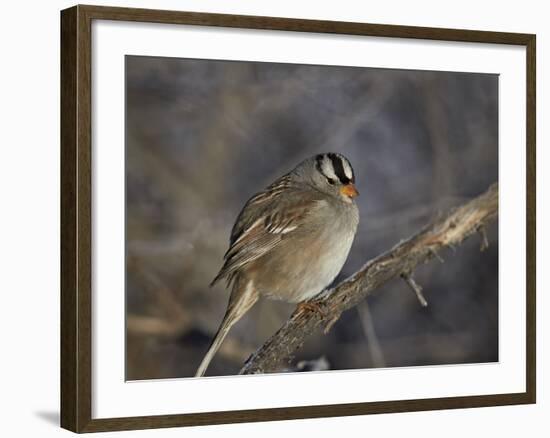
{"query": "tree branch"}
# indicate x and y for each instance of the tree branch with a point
(447, 231)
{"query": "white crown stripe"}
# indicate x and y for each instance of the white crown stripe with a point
(328, 168)
(347, 167)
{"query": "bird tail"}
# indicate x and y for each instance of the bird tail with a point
(241, 300)
(214, 347)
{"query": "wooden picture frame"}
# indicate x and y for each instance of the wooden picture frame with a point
(76, 217)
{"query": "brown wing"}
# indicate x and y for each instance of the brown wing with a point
(264, 222)
(256, 206)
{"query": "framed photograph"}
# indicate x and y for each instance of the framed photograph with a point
(270, 218)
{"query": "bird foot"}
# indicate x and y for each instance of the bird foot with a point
(311, 306)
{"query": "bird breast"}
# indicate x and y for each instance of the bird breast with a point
(309, 259)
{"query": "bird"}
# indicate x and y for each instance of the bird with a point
(290, 240)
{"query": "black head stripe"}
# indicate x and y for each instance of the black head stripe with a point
(339, 168)
(319, 163)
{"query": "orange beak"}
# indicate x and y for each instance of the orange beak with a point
(349, 190)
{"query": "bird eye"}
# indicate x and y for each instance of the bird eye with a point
(331, 181)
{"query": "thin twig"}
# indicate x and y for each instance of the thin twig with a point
(373, 344)
(436, 255)
(417, 289)
(484, 241)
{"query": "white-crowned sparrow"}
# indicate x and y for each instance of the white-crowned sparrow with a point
(291, 240)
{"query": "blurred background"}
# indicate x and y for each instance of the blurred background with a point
(203, 136)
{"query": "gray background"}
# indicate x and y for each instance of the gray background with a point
(203, 136)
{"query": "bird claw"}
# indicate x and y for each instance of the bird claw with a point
(311, 306)
(317, 307)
